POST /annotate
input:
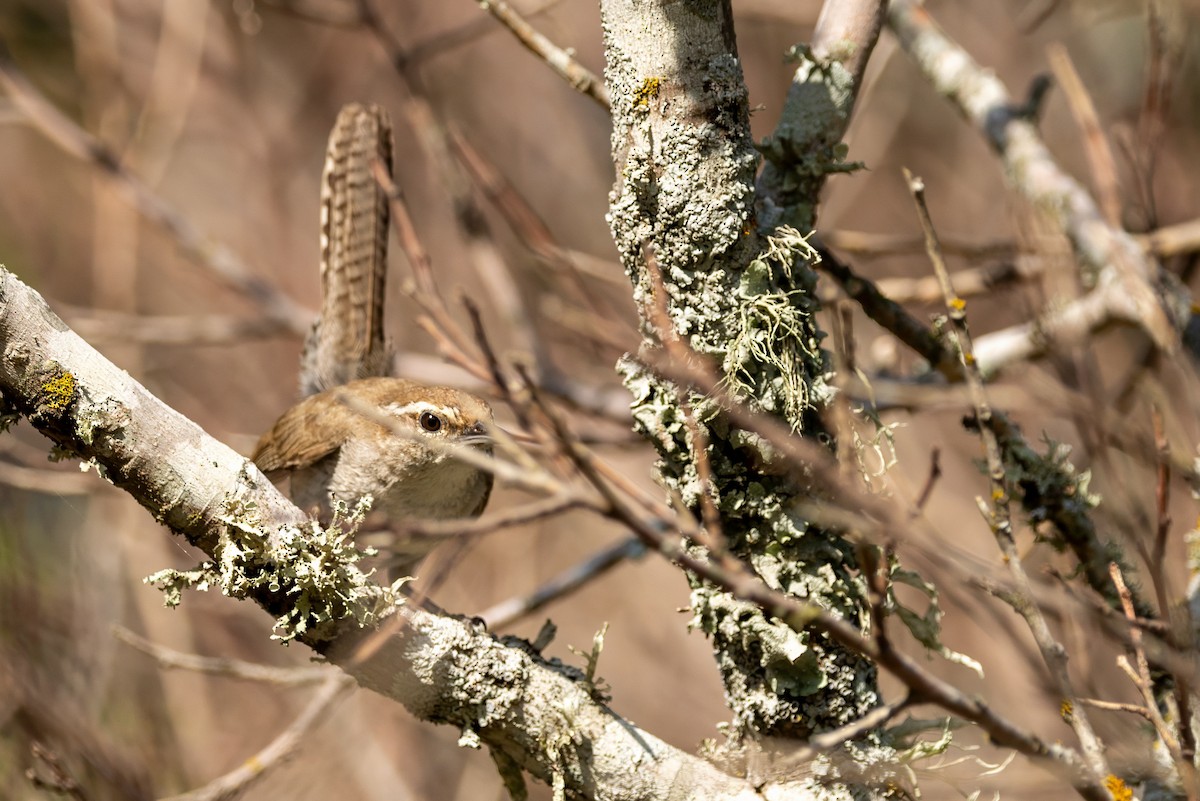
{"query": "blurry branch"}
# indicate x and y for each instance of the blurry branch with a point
(1128, 285)
(437, 321)
(506, 613)
(169, 658)
(33, 479)
(335, 687)
(1166, 46)
(181, 329)
(525, 222)
(1104, 166)
(1090, 784)
(216, 258)
(967, 283)
(443, 669)
(1055, 328)
(1171, 240)
(868, 245)
(561, 61)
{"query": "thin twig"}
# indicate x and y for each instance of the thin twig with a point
(892, 316)
(1104, 166)
(335, 687)
(998, 514)
(506, 613)
(1141, 678)
(169, 659)
(561, 61)
(826, 741)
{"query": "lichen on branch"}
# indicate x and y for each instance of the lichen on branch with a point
(314, 568)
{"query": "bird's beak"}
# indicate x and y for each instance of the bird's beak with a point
(476, 435)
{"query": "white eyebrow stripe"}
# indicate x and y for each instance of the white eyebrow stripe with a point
(416, 407)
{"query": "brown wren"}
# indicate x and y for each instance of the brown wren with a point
(331, 451)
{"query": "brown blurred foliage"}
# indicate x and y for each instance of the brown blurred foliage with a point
(223, 109)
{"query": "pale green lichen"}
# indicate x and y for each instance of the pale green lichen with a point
(313, 566)
(775, 344)
(927, 627)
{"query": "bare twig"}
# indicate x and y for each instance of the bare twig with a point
(335, 687)
(561, 61)
(1171, 240)
(506, 613)
(892, 316)
(1141, 678)
(869, 245)
(169, 658)
(1091, 783)
(967, 283)
(1104, 166)
(828, 740)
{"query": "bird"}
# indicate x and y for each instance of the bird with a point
(380, 437)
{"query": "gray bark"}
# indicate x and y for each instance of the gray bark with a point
(537, 715)
(742, 297)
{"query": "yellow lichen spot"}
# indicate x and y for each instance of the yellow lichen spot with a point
(958, 304)
(969, 358)
(646, 92)
(997, 495)
(1117, 788)
(58, 392)
(1065, 709)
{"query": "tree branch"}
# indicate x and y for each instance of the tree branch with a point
(441, 669)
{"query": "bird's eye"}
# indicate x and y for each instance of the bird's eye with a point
(430, 422)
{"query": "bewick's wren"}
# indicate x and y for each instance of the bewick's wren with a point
(331, 451)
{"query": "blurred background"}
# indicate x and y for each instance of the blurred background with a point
(221, 109)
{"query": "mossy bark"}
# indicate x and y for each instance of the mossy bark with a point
(742, 296)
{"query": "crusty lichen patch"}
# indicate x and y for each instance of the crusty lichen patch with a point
(56, 393)
(647, 91)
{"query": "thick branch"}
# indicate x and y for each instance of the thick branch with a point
(442, 669)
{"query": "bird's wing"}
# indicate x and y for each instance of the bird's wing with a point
(304, 435)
